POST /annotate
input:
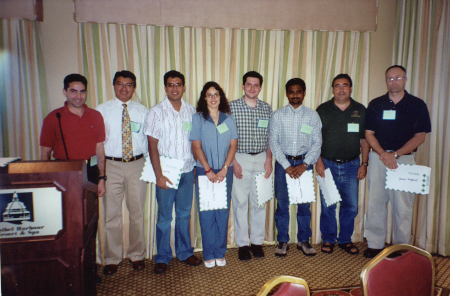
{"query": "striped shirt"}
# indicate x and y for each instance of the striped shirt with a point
(252, 139)
(295, 132)
(172, 129)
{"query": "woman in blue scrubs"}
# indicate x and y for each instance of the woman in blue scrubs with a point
(214, 144)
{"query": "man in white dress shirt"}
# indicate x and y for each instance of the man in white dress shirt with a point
(168, 126)
(125, 146)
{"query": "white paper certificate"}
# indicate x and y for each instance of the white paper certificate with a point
(409, 178)
(171, 168)
(212, 196)
(329, 190)
(301, 190)
(264, 188)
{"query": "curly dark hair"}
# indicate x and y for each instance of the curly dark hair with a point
(202, 106)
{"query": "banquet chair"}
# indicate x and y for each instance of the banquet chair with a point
(289, 286)
(409, 274)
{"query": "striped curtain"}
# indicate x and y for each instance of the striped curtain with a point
(421, 45)
(223, 55)
(23, 92)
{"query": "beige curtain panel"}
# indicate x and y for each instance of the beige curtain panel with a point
(343, 15)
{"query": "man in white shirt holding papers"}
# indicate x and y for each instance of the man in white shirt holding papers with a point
(295, 139)
(125, 146)
(168, 126)
(396, 124)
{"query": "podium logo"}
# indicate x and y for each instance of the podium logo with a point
(16, 207)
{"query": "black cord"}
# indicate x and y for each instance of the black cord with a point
(62, 136)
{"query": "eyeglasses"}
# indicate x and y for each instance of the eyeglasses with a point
(172, 85)
(210, 96)
(392, 79)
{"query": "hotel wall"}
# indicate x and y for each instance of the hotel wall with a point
(60, 47)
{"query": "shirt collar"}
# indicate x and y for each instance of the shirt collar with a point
(120, 103)
(222, 118)
(168, 105)
(299, 109)
(66, 109)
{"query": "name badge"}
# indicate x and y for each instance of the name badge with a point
(187, 126)
(389, 115)
(263, 123)
(135, 127)
(306, 129)
(222, 128)
(93, 160)
(353, 127)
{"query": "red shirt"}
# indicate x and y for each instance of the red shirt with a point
(81, 134)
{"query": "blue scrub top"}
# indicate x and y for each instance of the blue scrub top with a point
(214, 144)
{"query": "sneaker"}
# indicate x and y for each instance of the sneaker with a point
(281, 249)
(210, 263)
(221, 262)
(306, 248)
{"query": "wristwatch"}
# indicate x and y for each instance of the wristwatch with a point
(225, 167)
(365, 163)
(103, 178)
(396, 155)
(305, 165)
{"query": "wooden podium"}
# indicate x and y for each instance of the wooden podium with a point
(62, 263)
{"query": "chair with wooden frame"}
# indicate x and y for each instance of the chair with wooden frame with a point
(409, 274)
(289, 286)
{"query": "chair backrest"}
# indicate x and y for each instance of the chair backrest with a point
(409, 274)
(289, 286)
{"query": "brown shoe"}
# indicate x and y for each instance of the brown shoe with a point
(110, 269)
(193, 261)
(138, 265)
(160, 268)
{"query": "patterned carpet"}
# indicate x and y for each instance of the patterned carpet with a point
(322, 271)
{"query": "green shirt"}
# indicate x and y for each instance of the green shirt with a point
(341, 130)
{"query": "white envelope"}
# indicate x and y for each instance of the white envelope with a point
(301, 190)
(409, 178)
(264, 188)
(212, 196)
(172, 168)
(329, 190)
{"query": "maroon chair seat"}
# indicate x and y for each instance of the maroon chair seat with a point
(290, 286)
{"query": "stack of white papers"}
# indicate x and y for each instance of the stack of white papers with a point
(171, 168)
(212, 196)
(264, 188)
(301, 190)
(409, 178)
(329, 190)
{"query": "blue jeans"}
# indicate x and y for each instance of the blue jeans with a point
(183, 203)
(345, 176)
(214, 223)
(282, 212)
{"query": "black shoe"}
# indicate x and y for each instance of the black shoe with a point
(244, 253)
(257, 251)
(370, 253)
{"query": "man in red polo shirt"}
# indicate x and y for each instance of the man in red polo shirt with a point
(75, 131)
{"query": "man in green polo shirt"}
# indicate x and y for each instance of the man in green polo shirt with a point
(343, 142)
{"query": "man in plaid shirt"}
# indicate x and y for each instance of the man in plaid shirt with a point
(253, 157)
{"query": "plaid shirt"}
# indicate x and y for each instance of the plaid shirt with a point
(288, 138)
(252, 139)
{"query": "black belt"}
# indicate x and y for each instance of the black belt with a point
(298, 157)
(340, 161)
(255, 153)
(123, 160)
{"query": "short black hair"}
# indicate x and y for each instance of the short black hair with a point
(295, 81)
(395, 66)
(125, 74)
(253, 74)
(342, 76)
(173, 74)
(74, 78)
